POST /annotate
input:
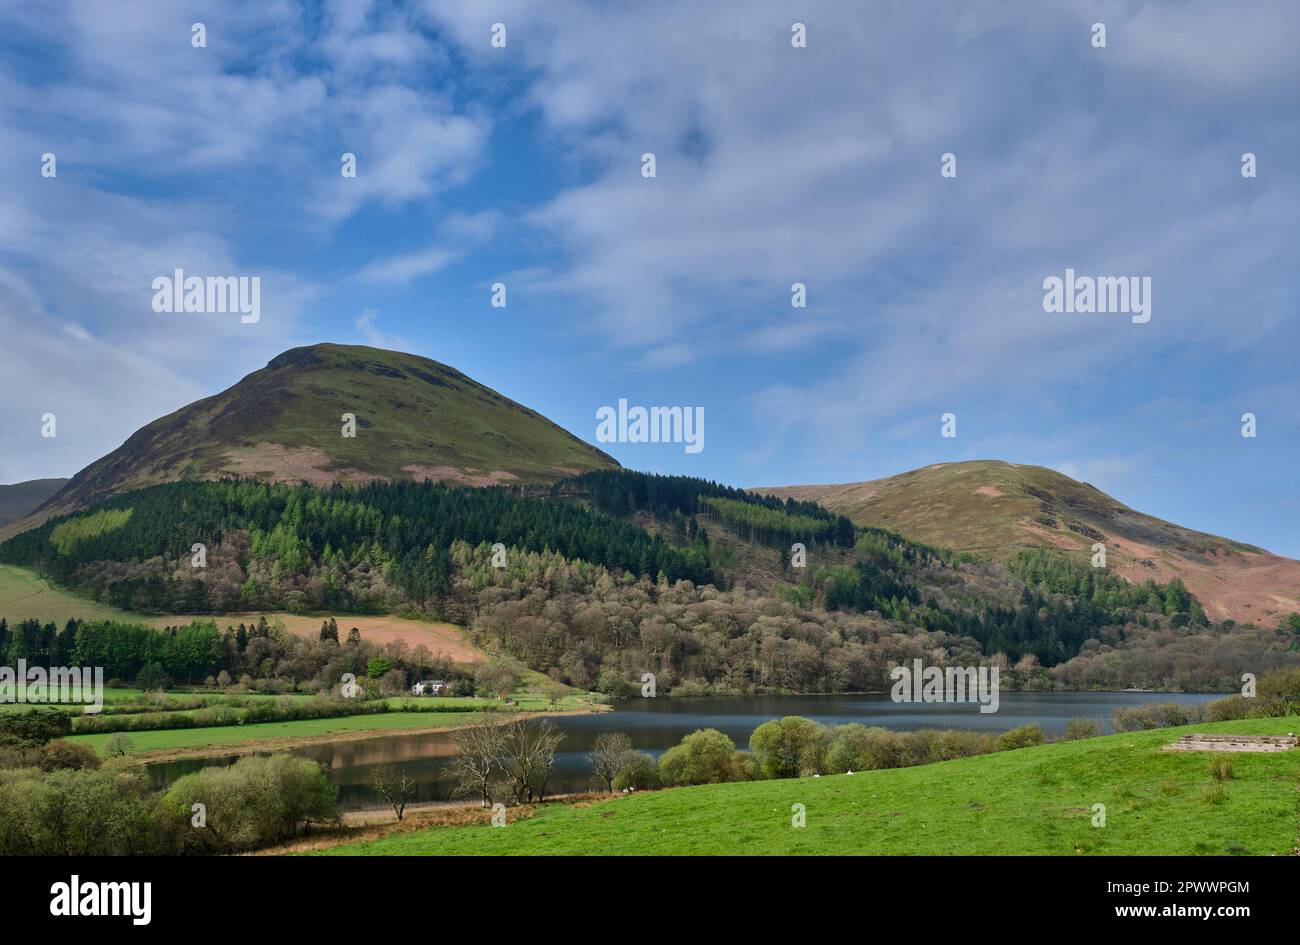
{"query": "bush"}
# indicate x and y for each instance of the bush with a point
(1156, 715)
(34, 727)
(854, 747)
(792, 747)
(64, 754)
(705, 756)
(1026, 736)
(255, 802)
(640, 773)
(947, 744)
(1077, 729)
(1227, 710)
(1278, 692)
(744, 767)
(1220, 767)
(70, 812)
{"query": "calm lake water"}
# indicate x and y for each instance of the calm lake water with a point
(654, 725)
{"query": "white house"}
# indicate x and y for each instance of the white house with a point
(430, 687)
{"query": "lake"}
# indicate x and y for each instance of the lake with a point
(654, 725)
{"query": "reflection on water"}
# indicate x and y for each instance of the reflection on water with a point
(655, 725)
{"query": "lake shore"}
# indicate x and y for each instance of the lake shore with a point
(250, 746)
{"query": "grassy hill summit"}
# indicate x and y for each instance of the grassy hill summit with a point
(996, 508)
(414, 419)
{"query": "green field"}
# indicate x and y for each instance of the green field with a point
(235, 735)
(115, 694)
(218, 736)
(25, 594)
(1031, 801)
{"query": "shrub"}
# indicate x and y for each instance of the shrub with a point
(853, 747)
(71, 812)
(255, 802)
(34, 727)
(913, 748)
(64, 754)
(1220, 767)
(792, 747)
(640, 773)
(947, 744)
(1025, 736)
(1278, 692)
(1077, 729)
(706, 756)
(1156, 715)
(744, 767)
(1227, 710)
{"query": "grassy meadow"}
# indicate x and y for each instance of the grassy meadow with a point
(25, 594)
(236, 736)
(1031, 801)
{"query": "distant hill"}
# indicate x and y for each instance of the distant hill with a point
(21, 498)
(996, 508)
(415, 419)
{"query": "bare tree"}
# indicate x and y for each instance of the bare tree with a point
(498, 678)
(478, 759)
(396, 787)
(527, 758)
(610, 754)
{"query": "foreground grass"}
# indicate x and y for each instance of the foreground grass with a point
(1032, 801)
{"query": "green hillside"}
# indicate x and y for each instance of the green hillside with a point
(996, 508)
(21, 498)
(415, 419)
(1031, 801)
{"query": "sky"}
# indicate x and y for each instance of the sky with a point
(775, 164)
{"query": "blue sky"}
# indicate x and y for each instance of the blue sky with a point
(774, 165)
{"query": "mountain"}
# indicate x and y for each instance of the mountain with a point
(415, 419)
(996, 508)
(20, 498)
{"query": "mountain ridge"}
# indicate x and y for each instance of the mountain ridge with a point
(996, 507)
(19, 499)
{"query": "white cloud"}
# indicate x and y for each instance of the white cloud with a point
(457, 234)
(365, 325)
(821, 165)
